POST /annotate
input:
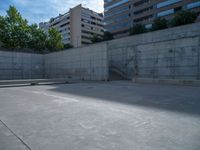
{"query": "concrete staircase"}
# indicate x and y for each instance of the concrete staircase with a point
(116, 72)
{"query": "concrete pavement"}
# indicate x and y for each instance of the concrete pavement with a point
(100, 116)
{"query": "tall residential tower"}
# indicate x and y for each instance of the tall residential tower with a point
(121, 15)
(77, 26)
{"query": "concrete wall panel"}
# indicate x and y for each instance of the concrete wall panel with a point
(86, 63)
(16, 65)
(171, 53)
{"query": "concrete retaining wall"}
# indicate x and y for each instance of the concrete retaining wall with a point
(14, 65)
(86, 63)
(167, 54)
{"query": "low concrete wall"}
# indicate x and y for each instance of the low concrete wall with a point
(167, 54)
(17, 65)
(86, 63)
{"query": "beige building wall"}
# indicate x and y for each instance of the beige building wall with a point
(75, 19)
(77, 26)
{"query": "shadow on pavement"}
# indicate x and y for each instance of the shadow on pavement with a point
(182, 99)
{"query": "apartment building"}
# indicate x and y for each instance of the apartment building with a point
(77, 26)
(121, 15)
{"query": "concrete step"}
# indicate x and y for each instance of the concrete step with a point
(168, 81)
(33, 81)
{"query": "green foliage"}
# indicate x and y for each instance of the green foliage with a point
(37, 38)
(13, 29)
(67, 46)
(159, 24)
(96, 38)
(16, 33)
(54, 41)
(107, 36)
(183, 17)
(2, 27)
(137, 29)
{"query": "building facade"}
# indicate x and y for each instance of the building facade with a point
(121, 15)
(77, 26)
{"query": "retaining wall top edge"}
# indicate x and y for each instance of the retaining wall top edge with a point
(190, 30)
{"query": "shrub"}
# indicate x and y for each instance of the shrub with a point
(107, 36)
(137, 29)
(96, 38)
(54, 41)
(159, 24)
(183, 17)
(67, 46)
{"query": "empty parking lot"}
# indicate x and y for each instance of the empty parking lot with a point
(116, 115)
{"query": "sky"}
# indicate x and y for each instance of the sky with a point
(36, 11)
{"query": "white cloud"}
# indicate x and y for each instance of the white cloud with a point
(22, 2)
(36, 11)
(64, 5)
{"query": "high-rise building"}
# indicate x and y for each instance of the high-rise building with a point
(121, 15)
(77, 26)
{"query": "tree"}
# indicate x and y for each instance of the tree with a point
(16, 33)
(138, 29)
(13, 29)
(159, 24)
(96, 38)
(2, 29)
(183, 17)
(67, 46)
(54, 41)
(107, 36)
(37, 37)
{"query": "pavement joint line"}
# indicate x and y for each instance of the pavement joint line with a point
(26, 145)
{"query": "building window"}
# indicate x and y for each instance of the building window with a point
(116, 4)
(86, 21)
(143, 18)
(64, 25)
(119, 26)
(86, 26)
(98, 19)
(87, 32)
(166, 3)
(85, 15)
(116, 12)
(85, 37)
(143, 10)
(141, 2)
(165, 13)
(193, 5)
(117, 19)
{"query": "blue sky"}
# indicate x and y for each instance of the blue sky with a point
(36, 11)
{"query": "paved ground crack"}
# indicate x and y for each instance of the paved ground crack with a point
(16, 136)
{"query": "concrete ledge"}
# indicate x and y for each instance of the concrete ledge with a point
(33, 81)
(167, 81)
